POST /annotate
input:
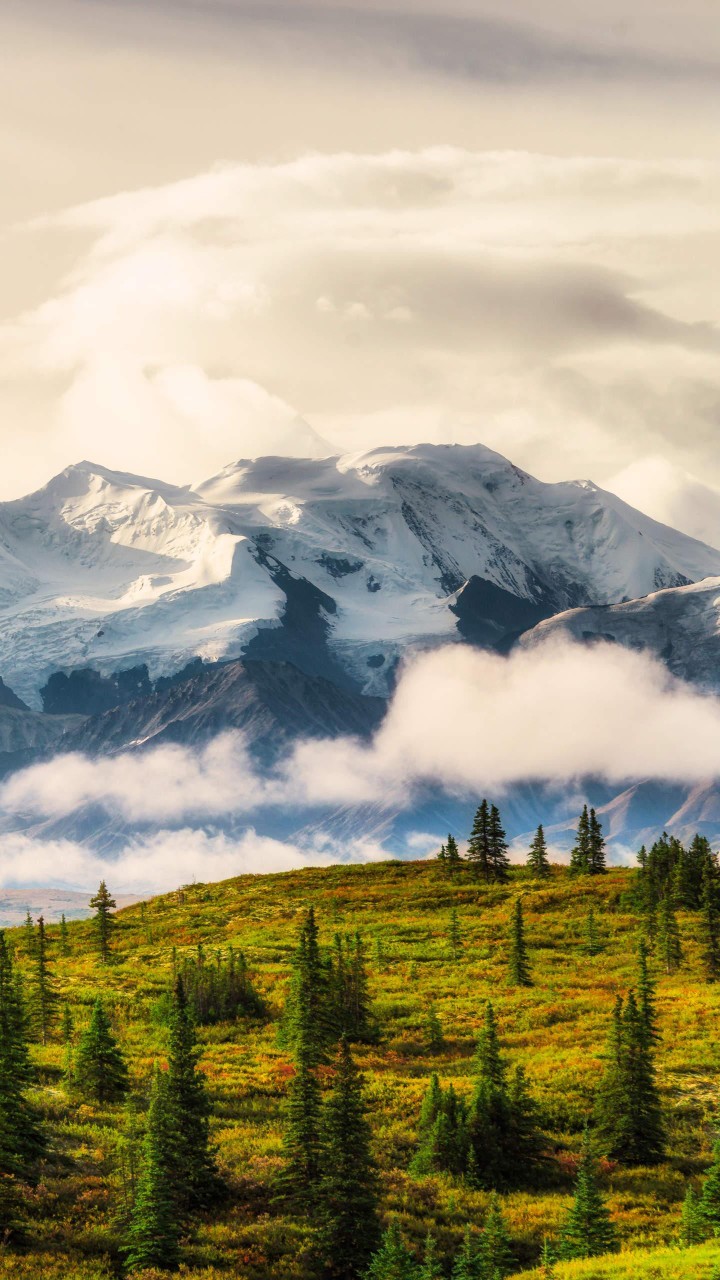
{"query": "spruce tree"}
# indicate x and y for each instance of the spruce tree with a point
(393, 1260)
(453, 861)
(431, 1267)
(103, 921)
(154, 1232)
(597, 846)
(668, 936)
(478, 850)
(64, 937)
(310, 1014)
(693, 1228)
(710, 1195)
(468, 1263)
(503, 1136)
(628, 1112)
(519, 963)
(454, 936)
(537, 859)
(710, 924)
(100, 1073)
(29, 931)
(433, 1034)
(190, 1159)
(300, 1178)
(348, 1201)
(495, 1247)
(444, 1140)
(592, 944)
(646, 995)
(21, 1139)
(498, 847)
(588, 1231)
(581, 852)
(43, 995)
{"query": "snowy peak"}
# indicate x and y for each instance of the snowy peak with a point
(336, 563)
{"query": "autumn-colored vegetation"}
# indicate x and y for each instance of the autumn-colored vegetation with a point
(437, 949)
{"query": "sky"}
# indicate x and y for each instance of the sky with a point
(236, 228)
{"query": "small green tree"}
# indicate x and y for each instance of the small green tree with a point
(154, 1232)
(431, 1267)
(300, 1178)
(592, 942)
(537, 859)
(43, 994)
(498, 851)
(188, 1153)
(393, 1260)
(455, 942)
(468, 1263)
(581, 852)
(100, 1073)
(668, 936)
(478, 849)
(710, 1194)
(433, 1033)
(103, 921)
(453, 861)
(519, 962)
(628, 1111)
(588, 1231)
(646, 994)
(64, 937)
(348, 1192)
(496, 1247)
(693, 1228)
(597, 846)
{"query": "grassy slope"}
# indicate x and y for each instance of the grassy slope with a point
(556, 1030)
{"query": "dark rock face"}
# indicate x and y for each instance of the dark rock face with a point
(85, 692)
(273, 703)
(10, 699)
(492, 618)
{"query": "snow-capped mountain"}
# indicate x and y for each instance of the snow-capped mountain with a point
(339, 565)
(680, 625)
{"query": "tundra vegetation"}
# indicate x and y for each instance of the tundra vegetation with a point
(454, 1069)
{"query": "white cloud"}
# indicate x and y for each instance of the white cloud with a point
(469, 721)
(440, 293)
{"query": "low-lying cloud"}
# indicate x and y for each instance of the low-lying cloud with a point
(467, 721)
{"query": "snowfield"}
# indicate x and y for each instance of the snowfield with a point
(348, 560)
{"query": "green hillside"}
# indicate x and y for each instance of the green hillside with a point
(556, 1029)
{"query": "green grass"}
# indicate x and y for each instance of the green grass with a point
(556, 1029)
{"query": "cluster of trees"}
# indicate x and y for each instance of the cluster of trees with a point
(487, 848)
(220, 989)
(494, 1141)
(700, 1218)
(670, 877)
(329, 1173)
(483, 1255)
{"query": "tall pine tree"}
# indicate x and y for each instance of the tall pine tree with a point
(189, 1156)
(519, 962)
(588, 1231)
(43, 994)
(628, 1111)
(668, 935)
(478, 850)
(302, 1148)
(597, 846)
(498, 850)
(350, 1229)
(100, 1073)
(580, 856)
(154, 1231)
(537, 859)
(103, 920)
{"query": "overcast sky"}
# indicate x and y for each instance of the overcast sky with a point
(457, 221)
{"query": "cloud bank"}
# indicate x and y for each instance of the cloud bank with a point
(470, 722)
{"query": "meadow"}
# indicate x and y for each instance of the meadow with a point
(556, 1029)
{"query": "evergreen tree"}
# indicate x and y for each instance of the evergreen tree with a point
(219, 990)
(592, 944)
(302, 1149)
(693, 1229)
(710, 924)
(498, 847)
(104, 922)
(189, 1157)
(468, 1264)
(350, 1007)
(580, 857)
(588, 1231)
(431, 1266)
(537, 859)
(668, 936)
(646, 995)
(153, 1236)
(310, 1014)
(431, 1104)
(478, 850)
(21, 1139)
(453, 861)
(710, 1194)
(348, 1200)
(519, 963)
(628, 1111)
(444, 1145)
(495, 1247)
(29, 931)
(99, 1072)
(547, 1262)
(503, 1136)
(597, 846)
(433, 1035)
(393, 1260)
(64, 937)
(43, 995)
(454, 936)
